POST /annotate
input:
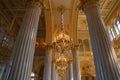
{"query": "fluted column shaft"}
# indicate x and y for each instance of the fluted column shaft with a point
(53, 72)
(68, 73)
(70, 70)
(90, 78)
(48, 64)
(2, 68)
(23, 52)
(83, 77)
(107, 67)
(76, 64)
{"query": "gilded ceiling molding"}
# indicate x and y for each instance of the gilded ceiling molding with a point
(74, 21)
(75, 47)
(4, 17)
(112, 20)
(49, 21)
(114, 12)
(118, 12)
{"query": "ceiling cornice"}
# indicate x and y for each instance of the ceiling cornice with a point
(113, 12)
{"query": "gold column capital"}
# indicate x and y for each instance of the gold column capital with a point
(70, 61)
(86, 3)
(48, 47)
(35, 3)
(53, 61)
(75, 46)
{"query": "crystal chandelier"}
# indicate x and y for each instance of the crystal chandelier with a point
(62, 45)
(62, 42)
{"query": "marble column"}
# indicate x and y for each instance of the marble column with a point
(70, 72)
(2, 68)
(94, 78)
(67, 75)
(90, 78)
(57, 77)
(83, 77)
(76, 64)
(53, 72)
(48, 64)
(23, 52)
(106, 63)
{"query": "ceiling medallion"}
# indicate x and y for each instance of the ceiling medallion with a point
(62, 45)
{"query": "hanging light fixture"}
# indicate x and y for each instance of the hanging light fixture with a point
(62, 45)
(62, 41)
